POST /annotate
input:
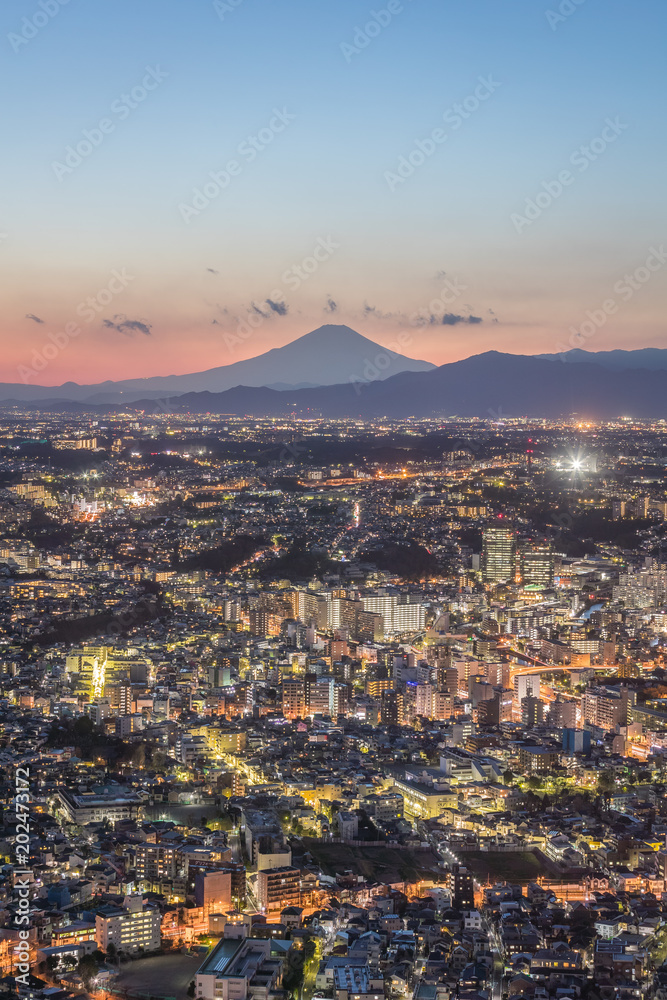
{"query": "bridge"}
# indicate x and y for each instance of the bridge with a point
(538, 667)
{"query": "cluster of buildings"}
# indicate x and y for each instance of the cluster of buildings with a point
(354, 727)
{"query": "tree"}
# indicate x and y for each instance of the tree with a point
(508, 777)
(606, 781)
(87, 969)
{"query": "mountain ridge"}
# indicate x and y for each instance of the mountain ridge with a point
(651, 358)
(327, 355)
(491, 385)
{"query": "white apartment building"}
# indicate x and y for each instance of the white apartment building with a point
(131, 928)
(398, 613)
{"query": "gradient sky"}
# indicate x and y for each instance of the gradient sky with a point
(324, 177)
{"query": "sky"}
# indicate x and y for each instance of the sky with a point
(188, 183)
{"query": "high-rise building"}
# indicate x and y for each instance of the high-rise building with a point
(278, 887)
(532, 711)
(392, 712)
(396, 611)
(607, 708)
(156, 861)
(536, 561)
(563, 714)
(499, 553)
(294, 698)
(462, 888)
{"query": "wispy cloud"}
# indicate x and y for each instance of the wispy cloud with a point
(453, 319)
(281, 308)
(128, 327)
(34, 318)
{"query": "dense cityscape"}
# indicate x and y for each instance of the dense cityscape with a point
(333, 500)
(333, 709)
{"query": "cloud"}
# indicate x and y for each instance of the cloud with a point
(452, 319)
(278, 307)
(212, 270)
(255, 308)
(34, 318)
(379, 314)
(128, 327)
(331, 306)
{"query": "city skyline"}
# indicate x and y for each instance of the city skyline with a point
(482, 179)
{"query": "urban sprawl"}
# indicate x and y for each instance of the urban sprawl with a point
(302, 708)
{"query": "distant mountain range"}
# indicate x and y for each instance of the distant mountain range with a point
(326, 356)
(368, 385)
(653, 358)
(490, 385)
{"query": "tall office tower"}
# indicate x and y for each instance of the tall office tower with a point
(499, 552)
(536, 560)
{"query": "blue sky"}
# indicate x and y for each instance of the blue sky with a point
(330, 173)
